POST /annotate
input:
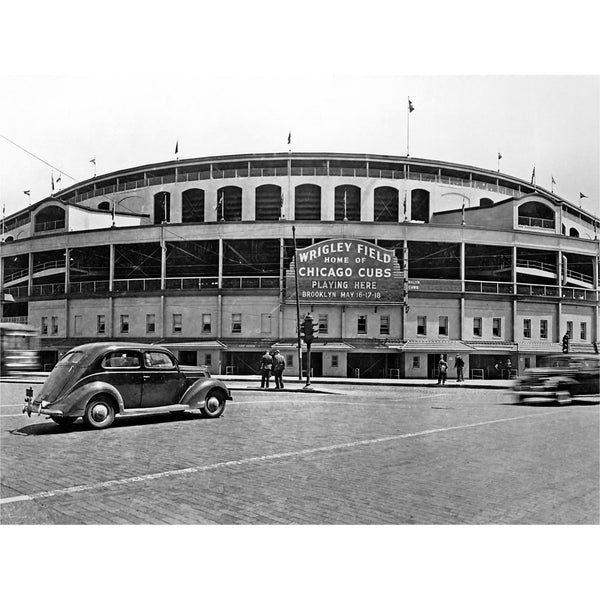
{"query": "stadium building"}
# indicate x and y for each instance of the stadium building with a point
(198, 255)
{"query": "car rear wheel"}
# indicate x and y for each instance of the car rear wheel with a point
(563, 397)
(64, 421)
(214, 405)
(99, 413)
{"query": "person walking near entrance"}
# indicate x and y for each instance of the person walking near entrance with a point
(266, 364)
(442, 371)
(278, 367)
(460, 365)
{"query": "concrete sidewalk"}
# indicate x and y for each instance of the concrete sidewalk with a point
(294, 384)
(252, 382)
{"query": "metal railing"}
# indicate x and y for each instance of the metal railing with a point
(89, 287)
(16, 275)
(9, 226)
(249, 282)
(489, 287)
(579, 294)
(313, 171)
(136, 285)
(580, 276)
(536, 264)
(536, 222)
(51, 264)
(191, 283)
(48, 289)
(49, 225)
(22, 320)
(527, 289)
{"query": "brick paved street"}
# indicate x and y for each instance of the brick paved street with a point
(368, 455)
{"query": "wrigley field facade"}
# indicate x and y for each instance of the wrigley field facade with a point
(398, 261)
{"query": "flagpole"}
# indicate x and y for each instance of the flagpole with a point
(297, 306)
(408, 128)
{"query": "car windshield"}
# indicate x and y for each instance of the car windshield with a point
(561, 362)
(71, 358)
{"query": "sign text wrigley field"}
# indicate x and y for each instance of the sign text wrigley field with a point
(346, 270)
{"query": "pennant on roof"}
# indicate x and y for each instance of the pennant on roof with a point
(410, 106)
(581, 196)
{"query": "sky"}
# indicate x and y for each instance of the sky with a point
(123, 80)
(126, 97)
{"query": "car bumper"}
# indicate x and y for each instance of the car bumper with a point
(36, 408)
(541, 393)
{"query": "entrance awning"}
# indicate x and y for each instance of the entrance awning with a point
(495, 348)
(199, 345)
(540, 347)
(316, 347)
(432, 346)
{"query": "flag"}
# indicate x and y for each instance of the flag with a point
(289, 138)
(581, 196)
(410, 106)
(177, 147)
(554, 182)
(59, 177)
(463, 212)
(27, 192)
(533, 175)
(93, 161)
(499, 156)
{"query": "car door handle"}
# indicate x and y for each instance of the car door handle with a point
(146, 377)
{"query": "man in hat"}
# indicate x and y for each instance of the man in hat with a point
(460, 365)
(278, 367)
(266, 364)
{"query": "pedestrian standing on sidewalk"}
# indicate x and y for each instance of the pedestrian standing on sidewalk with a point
(442, 370)
(460, 365)
(278, 367)
(266, 364)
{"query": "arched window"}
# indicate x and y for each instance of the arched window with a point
(485, 202)
(104, 206)
(536, 214)
(162, 207)
(386, 204)
(192, 206)
(229, 203)
(419, 205)
(269, 203)
(347, 203)
(308, 202)
(573, 232)
(49, 218)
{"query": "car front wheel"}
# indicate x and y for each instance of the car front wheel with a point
(99, 413)
(214, 405)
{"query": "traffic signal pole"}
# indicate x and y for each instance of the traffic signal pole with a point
(297, 306)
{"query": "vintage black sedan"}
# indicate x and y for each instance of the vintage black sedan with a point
(103, 380)
(561, 377)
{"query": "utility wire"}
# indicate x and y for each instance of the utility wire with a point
(38, 158)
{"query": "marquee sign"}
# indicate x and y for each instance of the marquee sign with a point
(345, 271)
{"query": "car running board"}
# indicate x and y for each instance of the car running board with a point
(156, 409)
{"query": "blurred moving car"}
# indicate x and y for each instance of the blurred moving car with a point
(561, 377)
(102, 380)
(19, 348)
